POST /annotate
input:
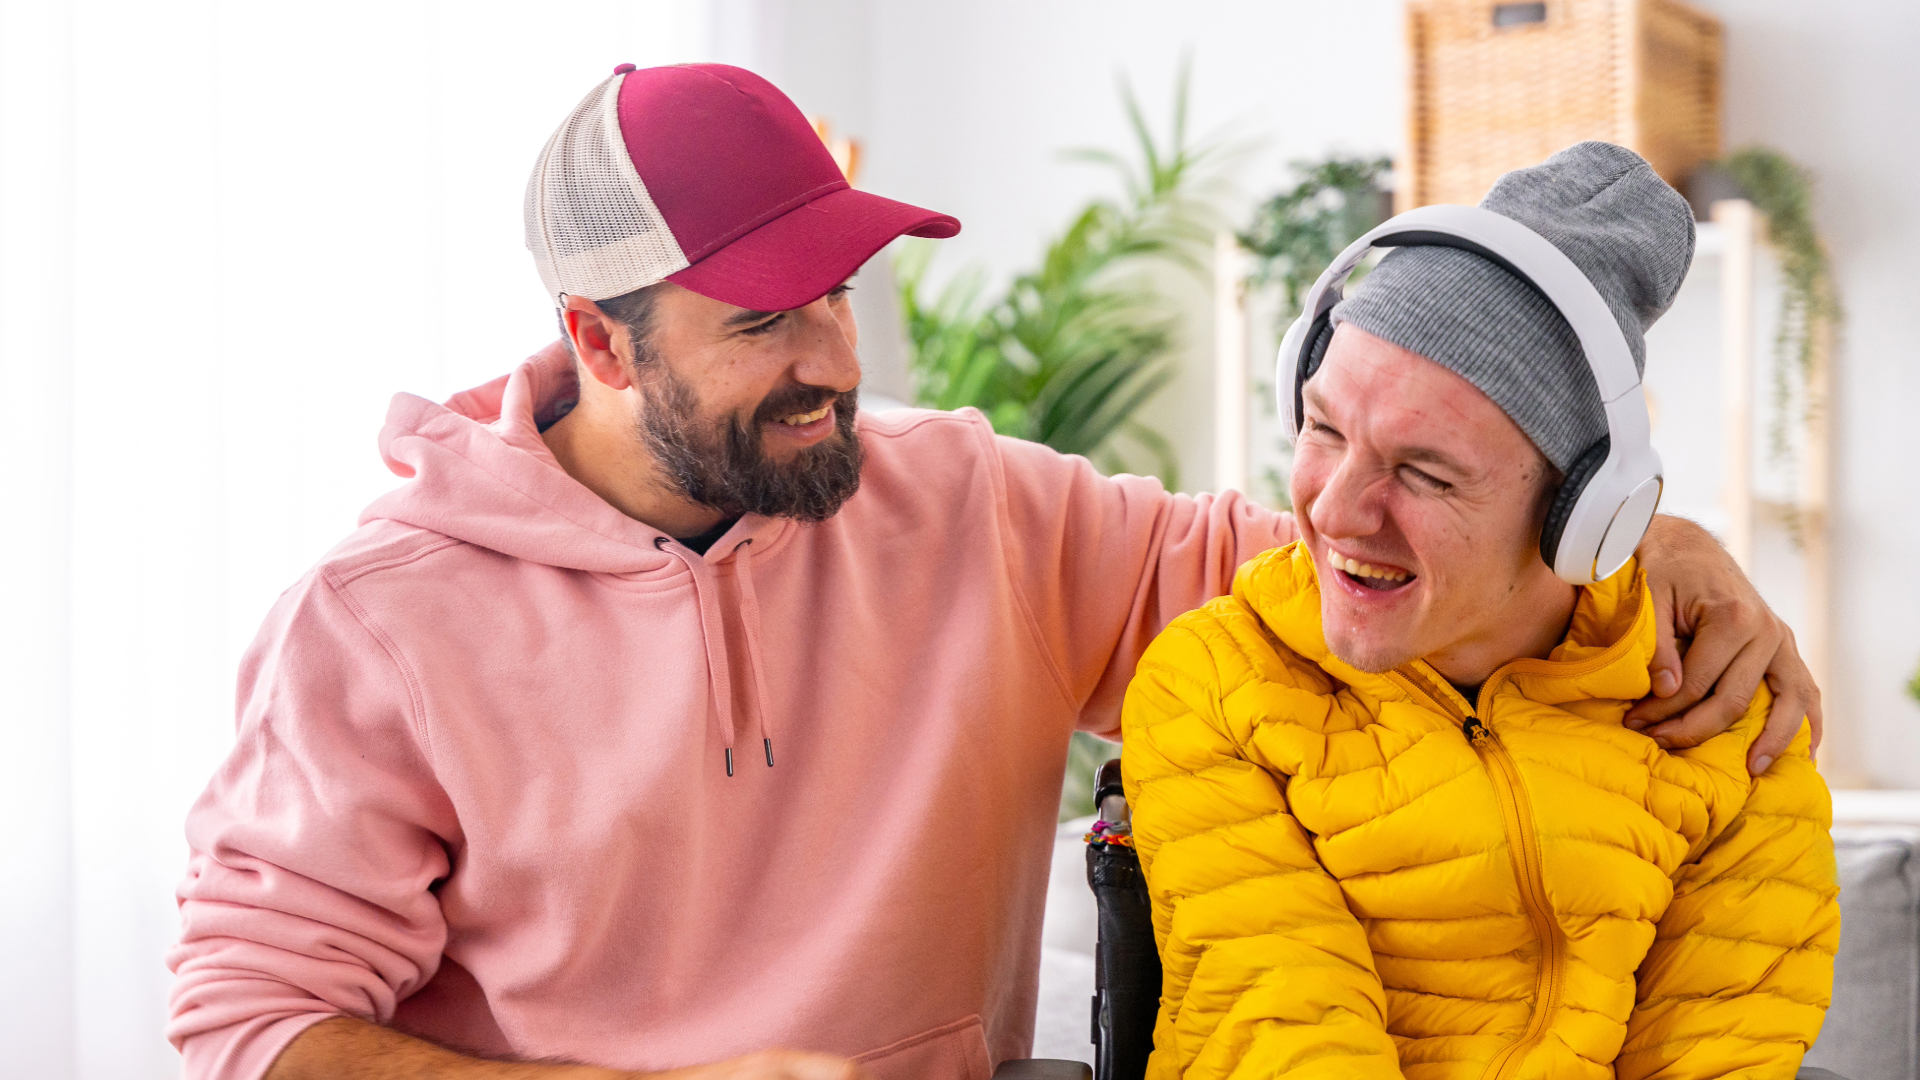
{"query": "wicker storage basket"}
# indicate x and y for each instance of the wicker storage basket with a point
(1499, 86)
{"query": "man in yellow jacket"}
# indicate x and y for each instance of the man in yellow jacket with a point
(1391, 822)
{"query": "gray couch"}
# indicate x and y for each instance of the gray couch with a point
(1872, 1031)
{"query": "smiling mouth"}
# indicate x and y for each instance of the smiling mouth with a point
(801, 419)
(1369, 576)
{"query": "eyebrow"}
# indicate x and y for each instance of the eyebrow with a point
(742, 318)
(745, 318)
(1433, 457)
(1424, 454)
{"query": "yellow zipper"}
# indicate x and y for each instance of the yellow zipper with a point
(1525, 846)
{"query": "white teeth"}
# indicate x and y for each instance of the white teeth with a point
(1360, 569)
(807, 418)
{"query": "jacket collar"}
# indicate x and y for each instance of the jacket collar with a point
(1605, 654)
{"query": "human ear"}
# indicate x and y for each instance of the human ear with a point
(594, 334)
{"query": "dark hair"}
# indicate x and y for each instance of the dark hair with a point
(632, 310)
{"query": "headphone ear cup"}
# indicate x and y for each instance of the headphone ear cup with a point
(1315, 351)
(1564, 500)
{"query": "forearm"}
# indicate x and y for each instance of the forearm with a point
(346, 1048)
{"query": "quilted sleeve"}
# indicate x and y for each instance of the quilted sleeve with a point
(1741, 969)
(1267, 973)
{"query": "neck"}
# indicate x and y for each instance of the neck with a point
(1530, 623)
(600, 447)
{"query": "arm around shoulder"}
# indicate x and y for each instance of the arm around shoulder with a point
(350, 1049)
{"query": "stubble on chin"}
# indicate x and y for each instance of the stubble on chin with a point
(1351, 648)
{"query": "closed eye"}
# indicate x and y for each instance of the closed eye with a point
(1315, 426)
(1425, 480)
(834, 295)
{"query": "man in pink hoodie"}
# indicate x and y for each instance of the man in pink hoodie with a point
(675, 711)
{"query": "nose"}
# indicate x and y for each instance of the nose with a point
(828, 355)
(1346, 506)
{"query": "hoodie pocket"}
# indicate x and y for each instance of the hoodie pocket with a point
(953, 1051)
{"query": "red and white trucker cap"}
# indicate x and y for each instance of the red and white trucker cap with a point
(707, 176)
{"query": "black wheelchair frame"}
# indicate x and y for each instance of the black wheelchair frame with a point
(1126, 965)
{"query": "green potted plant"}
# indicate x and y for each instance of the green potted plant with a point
(1069, 353)
(1072, 349)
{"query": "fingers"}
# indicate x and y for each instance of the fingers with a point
(1717, 712)
(1818, 721)
(1795, 697)
(1726, 631)
(1697, 591)
(1666, 668)
(1286, 530)
(1651, 710)
(1736, 641)
(1783, 723)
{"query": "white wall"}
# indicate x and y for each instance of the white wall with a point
(964, 108)
(1835, 85)
(37, 1001)
(967, 107)
(229, 232)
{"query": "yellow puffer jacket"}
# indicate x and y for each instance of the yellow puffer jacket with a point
(1346, 883)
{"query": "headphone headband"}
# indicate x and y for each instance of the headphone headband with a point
(1582, 543)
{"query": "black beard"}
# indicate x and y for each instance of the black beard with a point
(723, 464)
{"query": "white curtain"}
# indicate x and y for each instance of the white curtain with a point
(229, 232)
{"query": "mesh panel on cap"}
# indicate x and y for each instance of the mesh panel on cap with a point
(593, 229)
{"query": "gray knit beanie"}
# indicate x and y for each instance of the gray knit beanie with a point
(1621, 224)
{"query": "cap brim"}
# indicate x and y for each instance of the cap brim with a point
(799, 256)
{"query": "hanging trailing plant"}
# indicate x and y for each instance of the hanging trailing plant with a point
(1810, 307)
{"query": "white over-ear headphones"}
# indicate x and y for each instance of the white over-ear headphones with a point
(1611, 491)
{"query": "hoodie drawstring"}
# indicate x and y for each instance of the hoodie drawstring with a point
(750, 622)
(713, 633)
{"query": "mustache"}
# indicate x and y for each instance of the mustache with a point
(795, 398)
(721, 462)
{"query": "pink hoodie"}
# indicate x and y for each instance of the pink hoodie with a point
(479, 788)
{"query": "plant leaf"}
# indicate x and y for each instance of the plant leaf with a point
(1076, 346)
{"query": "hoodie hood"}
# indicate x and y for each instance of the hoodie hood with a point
(481, 473)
